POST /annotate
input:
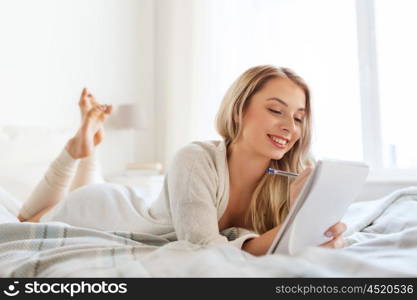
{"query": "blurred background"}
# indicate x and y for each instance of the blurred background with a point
(166, 64)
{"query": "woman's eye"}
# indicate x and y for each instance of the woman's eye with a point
(275, 111)
(278, 112)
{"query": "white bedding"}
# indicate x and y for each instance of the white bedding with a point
(382, 237)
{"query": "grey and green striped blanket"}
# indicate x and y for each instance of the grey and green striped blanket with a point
(382, 237)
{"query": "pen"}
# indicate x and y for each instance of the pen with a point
(274, 171)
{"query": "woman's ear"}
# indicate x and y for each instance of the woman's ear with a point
(236, 118)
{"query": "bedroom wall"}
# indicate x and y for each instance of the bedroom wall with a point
(52, 49)
(130, 51)
(175, 80)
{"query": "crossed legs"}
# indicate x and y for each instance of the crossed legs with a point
(75, 166)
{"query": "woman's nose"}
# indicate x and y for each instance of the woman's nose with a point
(288, 124)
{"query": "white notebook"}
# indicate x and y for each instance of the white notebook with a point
(331, 187)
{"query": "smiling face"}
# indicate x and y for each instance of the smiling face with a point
(277, 110)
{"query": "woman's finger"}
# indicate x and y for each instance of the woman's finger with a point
(336, 243)
(336, 230)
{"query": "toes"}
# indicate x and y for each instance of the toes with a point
(109, 109)
(106, 109)
(99, 112)
(92, 100)
(101, 107)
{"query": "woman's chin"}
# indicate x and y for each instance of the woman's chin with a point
(275, 157)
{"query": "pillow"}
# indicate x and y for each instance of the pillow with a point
(8, 203)
(27, 151)
(20, 180)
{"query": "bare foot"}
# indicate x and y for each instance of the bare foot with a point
(83, 143)
(86, 103)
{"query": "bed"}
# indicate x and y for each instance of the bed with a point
(381, 236)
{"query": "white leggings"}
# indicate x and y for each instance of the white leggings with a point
(64, 175)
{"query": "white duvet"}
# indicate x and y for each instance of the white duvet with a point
(382, 237)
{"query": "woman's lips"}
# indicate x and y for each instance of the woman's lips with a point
(276, 145)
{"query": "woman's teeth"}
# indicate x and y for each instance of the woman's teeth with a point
(279, 141)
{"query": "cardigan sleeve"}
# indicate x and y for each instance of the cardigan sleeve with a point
(237, 235)
(192, 188)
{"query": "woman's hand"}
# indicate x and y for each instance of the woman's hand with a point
(298, 184)
(336, 232)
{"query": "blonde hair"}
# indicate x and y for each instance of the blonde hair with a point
(270, 201)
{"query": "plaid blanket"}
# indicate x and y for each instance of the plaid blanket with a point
(381, 235)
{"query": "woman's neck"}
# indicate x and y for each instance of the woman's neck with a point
(246, 168)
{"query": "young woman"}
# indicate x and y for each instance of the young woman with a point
(214, 191)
